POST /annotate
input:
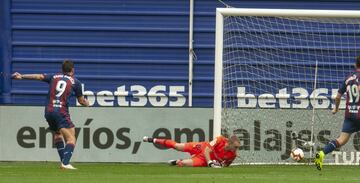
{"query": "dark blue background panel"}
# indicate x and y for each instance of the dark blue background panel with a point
(161, 6)
(130, 43)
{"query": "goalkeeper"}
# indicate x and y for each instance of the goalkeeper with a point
(216, 154)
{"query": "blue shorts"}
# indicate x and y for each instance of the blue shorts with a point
(58, 120)
(351, 125)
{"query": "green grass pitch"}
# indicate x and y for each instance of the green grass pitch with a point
(25, 172)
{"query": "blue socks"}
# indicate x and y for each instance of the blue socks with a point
(60, 146)
(332, 145)
(69, 148)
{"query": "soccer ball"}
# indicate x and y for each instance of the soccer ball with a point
(297, 154)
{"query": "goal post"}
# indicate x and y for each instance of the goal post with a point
(273, 68)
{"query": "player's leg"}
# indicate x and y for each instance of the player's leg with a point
(348, 128)
(331, 146)
(69, 135)
(59, 143)
(340, 141)
(165, 142)
(67, 129)
(58, 138)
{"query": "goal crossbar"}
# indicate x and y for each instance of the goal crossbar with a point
(288, 12)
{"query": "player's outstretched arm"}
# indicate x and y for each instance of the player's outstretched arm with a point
(83, 101)
(19, 76)
(337, 103)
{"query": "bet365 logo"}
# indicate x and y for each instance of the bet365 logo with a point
(297, 98)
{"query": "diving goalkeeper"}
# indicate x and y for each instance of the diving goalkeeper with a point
(218, 153)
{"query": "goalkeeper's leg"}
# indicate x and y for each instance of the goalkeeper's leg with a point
(189, 147)
(196, 161)
(165, 142)
(181, 162)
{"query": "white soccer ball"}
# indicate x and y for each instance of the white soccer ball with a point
(297, 154)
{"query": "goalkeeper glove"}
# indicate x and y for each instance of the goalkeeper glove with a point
(214, 164)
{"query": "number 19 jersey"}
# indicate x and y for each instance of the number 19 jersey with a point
(351, 87)
(61, 87)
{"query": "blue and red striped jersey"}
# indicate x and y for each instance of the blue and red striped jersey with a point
(61, 88)
(351, 87)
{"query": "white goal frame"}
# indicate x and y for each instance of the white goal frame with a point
(221, 12)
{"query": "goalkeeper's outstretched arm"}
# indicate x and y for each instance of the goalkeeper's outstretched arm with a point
(207, 154)
(211, 163)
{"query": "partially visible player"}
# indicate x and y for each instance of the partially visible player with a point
(61, 87)
(351, 124)
(218, 153)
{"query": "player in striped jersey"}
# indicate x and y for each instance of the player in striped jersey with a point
(61, 87)
(351, 124)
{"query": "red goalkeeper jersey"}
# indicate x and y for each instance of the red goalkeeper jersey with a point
(219, 153)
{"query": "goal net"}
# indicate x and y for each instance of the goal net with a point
(276, 75)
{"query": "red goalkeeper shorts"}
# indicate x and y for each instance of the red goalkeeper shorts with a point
(196, 150)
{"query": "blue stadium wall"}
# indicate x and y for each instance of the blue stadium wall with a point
(126, 44)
